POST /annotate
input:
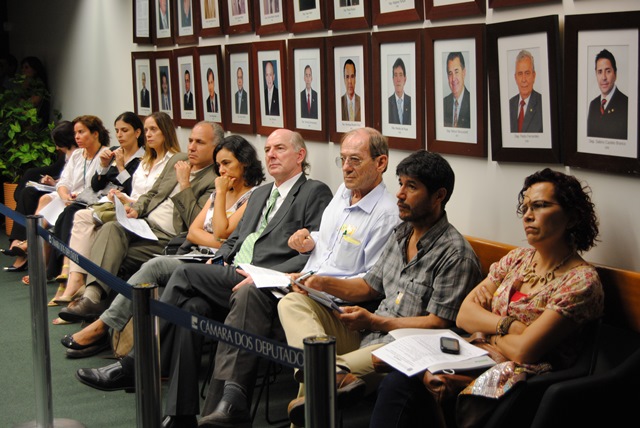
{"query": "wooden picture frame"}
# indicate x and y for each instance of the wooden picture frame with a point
(341, 49)
(455, 68)
(212, 107)
(239, 93)
(523, 56)
(495, 4)
(387, 13)
(211, 13)
(343, 17)
(187, 22)
(307, 15)
(307, 111)
(607, 139)
(237, 20)
(145, 98)
(271, 16)
(454, 10)
(269, 65)
(141, 21)
(162, 22)
(186, 77)
(398, 87)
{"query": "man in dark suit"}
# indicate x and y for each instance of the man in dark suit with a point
(188, 96)
(350, 101)
(308, 97)
(456, 105)
(212, 100)
(163, 15)
(307, 4)
(399, 102)
(172, 204)
(271, 99)
(186, 13)
(241, 94)
(525, 109)
(608, 112)
(144, 92)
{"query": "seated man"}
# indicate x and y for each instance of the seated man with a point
(273, 213)
(171, 205)
(423, 276)
(354, 229)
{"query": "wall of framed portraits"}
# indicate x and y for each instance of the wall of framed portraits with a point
(99, 53)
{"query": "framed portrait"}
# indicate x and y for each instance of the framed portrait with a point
(210, 18)
(401, 12)
(494, 4)
(271, 16)
(307, 15)
(141, 21)
(523, 63)
(348, 83)
(187, 21)
(398, 88)
(238, 63)
(456, 93)
(268, 68)
(186, 75)
(601, 79)
(445, 9)
(144, 88)
(307, 103)
(162, 22)
(238, 18)
(211, 101)
(165, 83)
(349, 14)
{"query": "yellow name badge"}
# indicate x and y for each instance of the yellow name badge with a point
(351, 240)
(399, 297)
(346, 231)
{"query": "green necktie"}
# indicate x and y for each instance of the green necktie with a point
(245, 255)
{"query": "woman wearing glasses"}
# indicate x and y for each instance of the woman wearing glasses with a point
(534, 303)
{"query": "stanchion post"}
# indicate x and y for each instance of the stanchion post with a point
(147, 359)
(320, 382)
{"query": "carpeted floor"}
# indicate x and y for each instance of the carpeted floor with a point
(73, 400)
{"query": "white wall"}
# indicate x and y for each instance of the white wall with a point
(86, 46)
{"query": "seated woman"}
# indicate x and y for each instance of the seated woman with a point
(27, 197)
(117, 166)
(240, 171)
(91, 138)
(162, 144)
(534, 303)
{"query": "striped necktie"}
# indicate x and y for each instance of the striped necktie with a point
(245, 254)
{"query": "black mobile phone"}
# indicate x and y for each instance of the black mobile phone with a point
(449, 345)
(218, 260)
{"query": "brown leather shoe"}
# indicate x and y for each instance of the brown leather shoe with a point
(83, 309)
(350, 390)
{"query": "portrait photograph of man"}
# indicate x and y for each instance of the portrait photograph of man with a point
(525, 108)
(271, 97)
(163, 15)
(186, 15)
(212, 99)
(457, 104)
(188, 95)
(240, 95)
(399, 101)
(145, 100)
(350, 101)
(165, 89)
(308, 96)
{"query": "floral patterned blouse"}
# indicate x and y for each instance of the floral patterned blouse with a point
(577, 295)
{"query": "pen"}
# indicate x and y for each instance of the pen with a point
(304, 276)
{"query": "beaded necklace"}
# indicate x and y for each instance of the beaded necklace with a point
(530, 275)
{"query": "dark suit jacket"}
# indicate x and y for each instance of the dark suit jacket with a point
(313, 114)
(242, 107)
(532, 117)
(611, 124)
(302, 208)
(345, 108)
(274, 108)
(144, 97)
(188, 101)
(406, 110)
(464, 114)
(215, 104)
(307, 4)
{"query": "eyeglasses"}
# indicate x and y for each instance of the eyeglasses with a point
(534, 206)
(352, 160)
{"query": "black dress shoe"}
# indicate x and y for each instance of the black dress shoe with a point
(108, 378)
(180, 421)
(68, 342)
(20, 268)
(83, 309)
(84, 351)
(14, 252)
(226, 415)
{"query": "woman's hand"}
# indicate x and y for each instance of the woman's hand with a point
(48, 180)
(224, 183)
(119, 155)
(105, 158)
(483, 297)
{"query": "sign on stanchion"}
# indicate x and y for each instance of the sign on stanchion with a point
(40, 335)
(320, 382)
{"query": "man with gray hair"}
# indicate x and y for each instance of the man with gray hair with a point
(525, 109)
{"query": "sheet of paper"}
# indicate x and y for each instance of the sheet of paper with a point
(52, 210)
(133, 225)
(320, 297)
(264, 278)
(416, 353)
(41, 187)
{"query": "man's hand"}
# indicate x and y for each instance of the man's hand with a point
(301, 241)
(356, 318)
(245, 281)
(131, 213)
(183, 171)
